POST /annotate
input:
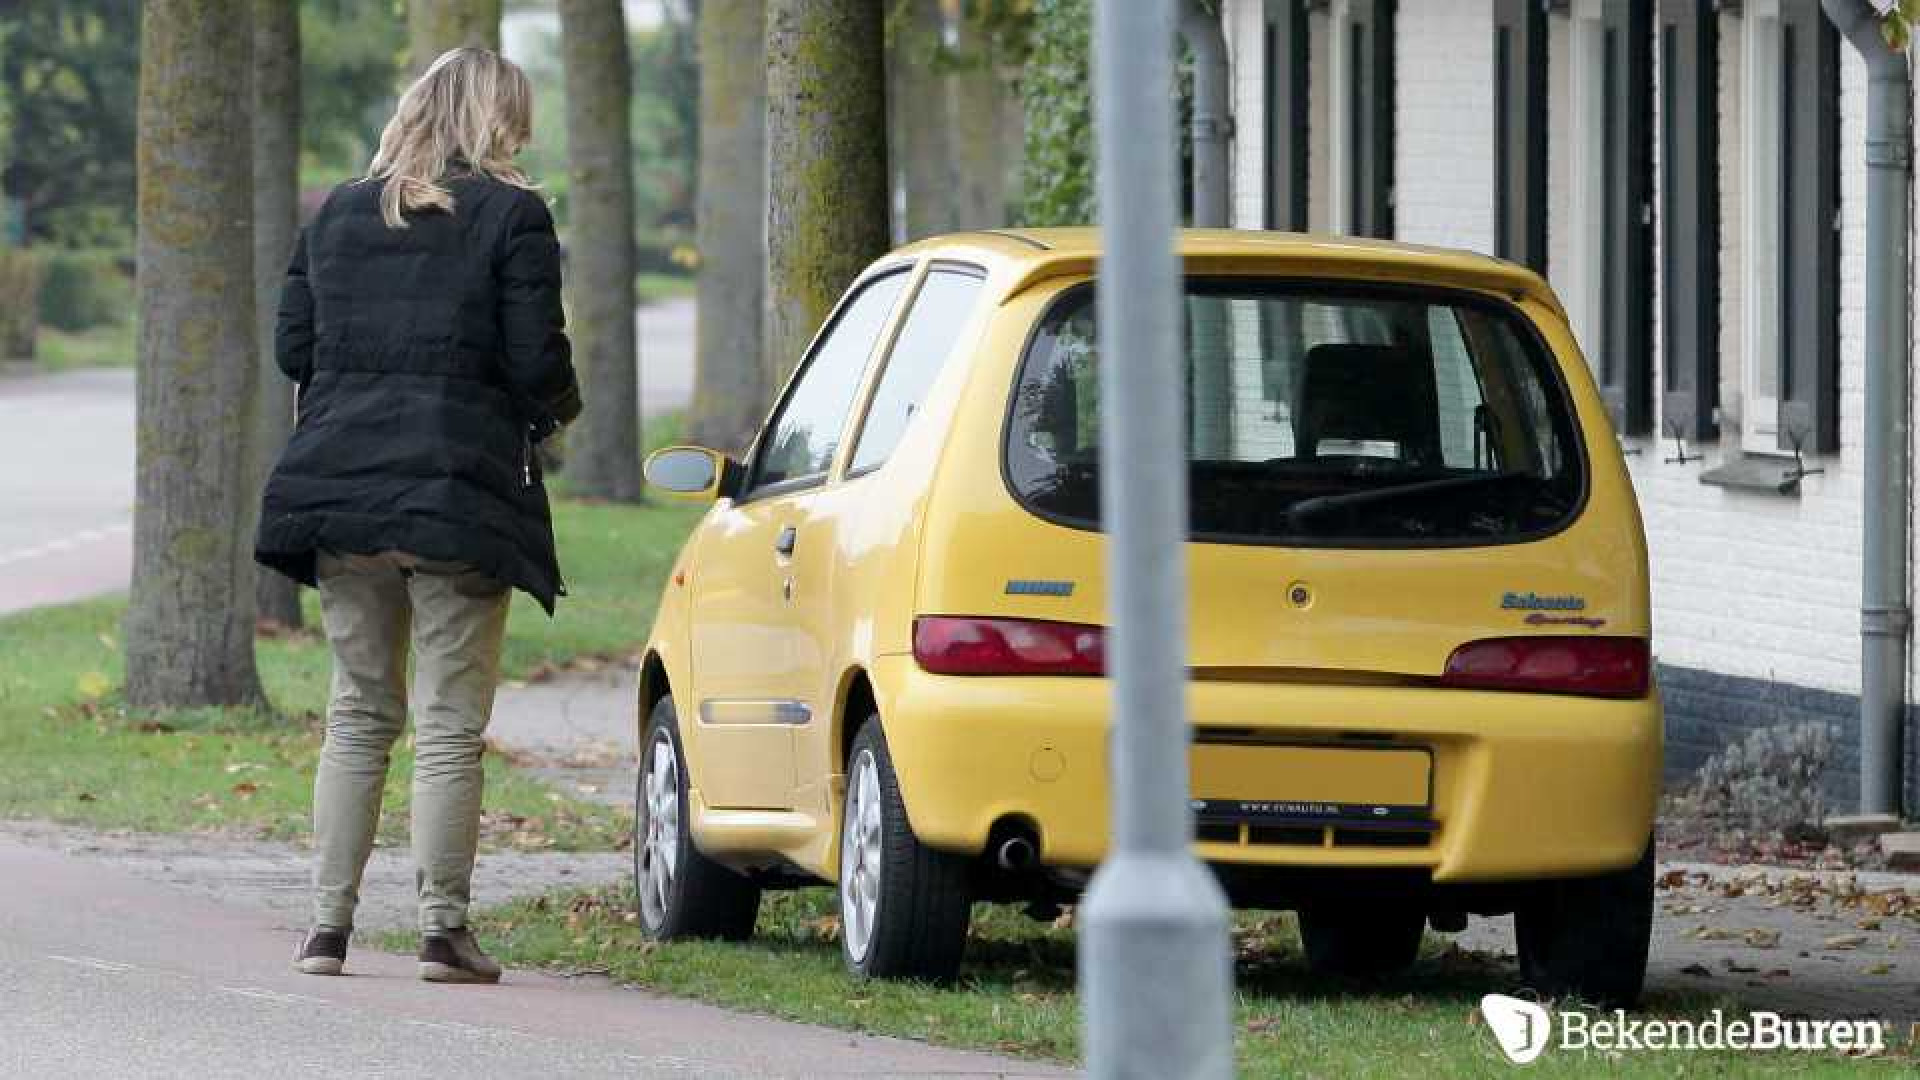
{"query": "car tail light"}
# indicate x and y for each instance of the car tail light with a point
(960, 645)
(1596, 666)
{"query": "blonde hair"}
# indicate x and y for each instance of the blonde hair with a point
(473, 108)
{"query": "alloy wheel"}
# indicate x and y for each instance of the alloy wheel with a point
(659, 828)
(860, 856)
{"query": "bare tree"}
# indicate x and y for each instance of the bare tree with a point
(730, 378)
(189, 625)
(276, 217)
(434, 26)
(605, 451)
(826, 161)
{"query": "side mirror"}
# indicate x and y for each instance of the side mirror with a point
(693, 472)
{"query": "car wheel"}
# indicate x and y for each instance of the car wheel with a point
(1586, 939)
(1361, 940)
(904, 907)
(679, 892)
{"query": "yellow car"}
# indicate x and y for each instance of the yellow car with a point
(1420, 681)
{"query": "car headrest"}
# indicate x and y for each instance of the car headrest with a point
(1369, 393)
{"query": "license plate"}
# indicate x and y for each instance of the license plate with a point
(1265, 784)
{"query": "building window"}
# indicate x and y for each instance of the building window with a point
(1689, 217)
(1611, 279)
(1288, 47)
(1790, 247)
(1360, 52)
(1520, 132)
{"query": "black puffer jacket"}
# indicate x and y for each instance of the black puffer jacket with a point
(429, 360)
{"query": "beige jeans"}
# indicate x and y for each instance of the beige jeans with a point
(455, 617)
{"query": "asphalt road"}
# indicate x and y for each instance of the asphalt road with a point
(105, 974)
(66, 465)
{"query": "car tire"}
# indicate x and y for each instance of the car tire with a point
(904, 907)
(1366, 941)
(678, 892)
(1585, 939)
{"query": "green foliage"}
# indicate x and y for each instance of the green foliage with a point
(352, 53)
(19, 276)
(1056, 89)
(83, 289)
(69, 72)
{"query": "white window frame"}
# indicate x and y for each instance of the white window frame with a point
(1758, 369)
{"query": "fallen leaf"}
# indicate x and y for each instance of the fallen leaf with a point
(86, 796)
(1844, 941)
(1762, 937)
(246, 789)
(1877, 969)
(94, 686)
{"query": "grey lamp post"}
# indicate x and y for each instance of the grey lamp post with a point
(1156, 971)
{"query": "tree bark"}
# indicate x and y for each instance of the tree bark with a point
(920, 145)
(189, 624)
(977, 102)
(826, 162)
(605, 451)
(434, 26)
(276, 218)
(730, 377)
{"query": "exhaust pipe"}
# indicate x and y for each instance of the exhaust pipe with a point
(1015, 853)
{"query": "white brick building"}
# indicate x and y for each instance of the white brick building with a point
(1423, 120)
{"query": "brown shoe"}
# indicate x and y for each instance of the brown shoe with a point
(323, 951)
(452, 956)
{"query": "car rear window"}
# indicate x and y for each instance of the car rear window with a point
(1322, 415)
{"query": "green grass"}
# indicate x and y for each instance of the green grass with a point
(1017, 994)
(109, 345)
(654, 288)
(69, 751)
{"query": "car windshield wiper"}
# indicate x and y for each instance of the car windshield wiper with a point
(1320, 504)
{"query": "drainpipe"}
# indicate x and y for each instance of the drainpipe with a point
(1885, 620)
(1212, 125)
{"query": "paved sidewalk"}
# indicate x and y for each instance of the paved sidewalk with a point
(577, 731)
(106, 973)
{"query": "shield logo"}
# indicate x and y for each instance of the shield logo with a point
(1521, 1027)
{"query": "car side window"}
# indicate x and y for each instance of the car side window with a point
(800, 441)
(927, 337)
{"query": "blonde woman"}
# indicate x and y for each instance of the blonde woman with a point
(421, 321)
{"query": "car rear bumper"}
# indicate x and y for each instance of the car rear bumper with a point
(1523, 786)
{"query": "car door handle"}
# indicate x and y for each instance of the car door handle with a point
(784, 545)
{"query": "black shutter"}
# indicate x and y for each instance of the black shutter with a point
(1287, 123)
(1690, 216)
(1626, 287)
(1809, 237)
(1369, 136)
(1520, 132)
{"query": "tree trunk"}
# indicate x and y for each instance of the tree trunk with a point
(276, 217)
(189, 626)
(434, 26)
(920, 145)
(730, 376)
(977, 99)
(826, 162)
(605, 451)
